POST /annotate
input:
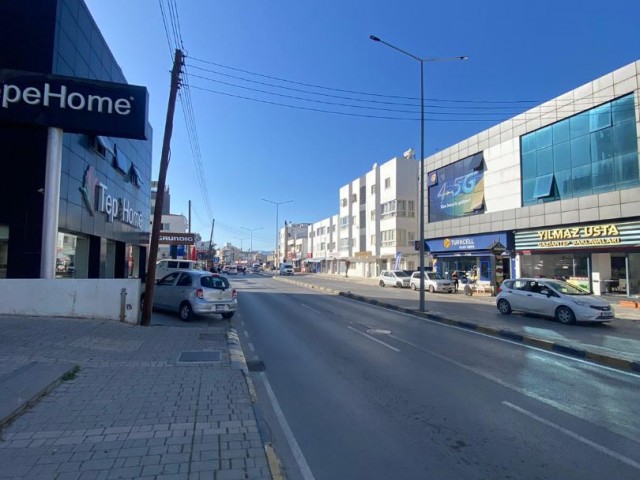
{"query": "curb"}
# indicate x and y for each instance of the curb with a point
(570, 350)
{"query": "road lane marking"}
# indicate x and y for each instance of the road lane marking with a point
(574, 435)
(251, 347)
(374, 339)
(284, 425)
(246, 334)
(309, 308)
(522, 391)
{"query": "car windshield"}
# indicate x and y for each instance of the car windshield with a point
(566, 288)
(400, 273)
(435, 276)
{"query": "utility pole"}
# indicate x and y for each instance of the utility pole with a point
(162, 178)
(212, 252)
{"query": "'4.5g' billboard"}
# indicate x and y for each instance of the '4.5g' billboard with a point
(457, 190)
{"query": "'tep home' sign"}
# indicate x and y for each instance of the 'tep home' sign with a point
(73, 104)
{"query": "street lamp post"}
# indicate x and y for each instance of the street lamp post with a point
(421, 233)
(277, 250)
(251, 230)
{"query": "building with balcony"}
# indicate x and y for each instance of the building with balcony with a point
(324, 252)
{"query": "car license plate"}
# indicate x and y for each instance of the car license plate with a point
(219, 307)
(606, 315)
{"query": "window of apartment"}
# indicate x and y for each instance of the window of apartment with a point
(387, 182)
(119, 159)
(411, 212)
(353, 221)
(401, 237)
(372, 215)
(388, 209)
(411, 239)
(372, 240)
(343, 202)
(333, 228)
(344, 222)
(323, 246)
(363, 195)
(354, 197)
(373, 189)
(388, 238)
(134, 176)
(401, 208)
(592, 152)
(344, 243)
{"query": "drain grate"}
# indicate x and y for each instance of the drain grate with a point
(199, 357)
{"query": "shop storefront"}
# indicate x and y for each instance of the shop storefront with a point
(474, 257)
(601, 257)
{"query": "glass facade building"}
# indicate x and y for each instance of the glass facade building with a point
(60, 37)
(595, 151)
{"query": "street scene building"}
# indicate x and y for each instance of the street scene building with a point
(104, 211)
(558, 187)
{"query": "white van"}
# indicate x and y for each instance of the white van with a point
(286, 269)
(168, 265)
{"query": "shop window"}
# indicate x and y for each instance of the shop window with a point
(119, 160)
(72, 258)
(134, 176)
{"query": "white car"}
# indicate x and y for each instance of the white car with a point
(168, 265)
(286, 269)
(433, 281)
(552, 298)
(396, 278)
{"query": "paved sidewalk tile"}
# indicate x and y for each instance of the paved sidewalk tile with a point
(131, 411)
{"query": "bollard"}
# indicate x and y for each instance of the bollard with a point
(123, 303)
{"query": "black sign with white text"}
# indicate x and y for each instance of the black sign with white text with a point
(73, 104)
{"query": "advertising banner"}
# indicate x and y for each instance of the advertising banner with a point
(599, 235)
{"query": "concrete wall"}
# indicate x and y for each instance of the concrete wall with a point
(81, 298)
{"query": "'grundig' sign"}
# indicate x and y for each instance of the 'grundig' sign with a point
(73, 104)
(169, 238)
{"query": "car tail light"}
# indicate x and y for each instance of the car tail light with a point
(234, 294)
(499, 289)
(199, 293)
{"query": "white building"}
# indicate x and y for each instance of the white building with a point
(378, 222)
(324, 246)
(176, 224)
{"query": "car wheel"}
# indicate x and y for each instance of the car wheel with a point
(504, 307)
(431, 289)
(414, 286)
(228, 315)
(398, 285)
(186, 312)
(565, 315)
(382, 283)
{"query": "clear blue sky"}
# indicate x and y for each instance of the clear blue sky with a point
(521, 53)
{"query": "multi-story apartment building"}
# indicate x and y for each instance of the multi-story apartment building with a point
(324, 246)
(378, 220)
(557, 186)
(294, 243)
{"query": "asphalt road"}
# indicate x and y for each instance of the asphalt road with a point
(352, 391)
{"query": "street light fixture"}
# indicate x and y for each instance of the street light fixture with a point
(251, 230)
(277, 250)
(422, 182)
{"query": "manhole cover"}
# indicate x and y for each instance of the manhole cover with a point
(378, 331)
(199, 357)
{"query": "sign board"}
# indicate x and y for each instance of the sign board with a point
(170, 238)
(599, 235)
(467, 243)
(72, 104)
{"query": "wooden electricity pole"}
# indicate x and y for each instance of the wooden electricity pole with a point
(162, 178)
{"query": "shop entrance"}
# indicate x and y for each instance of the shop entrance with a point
(469, 268)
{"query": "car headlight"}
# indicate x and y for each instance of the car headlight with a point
(580, 302)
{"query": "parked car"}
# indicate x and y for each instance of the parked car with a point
(286, 269)
(552, 298)
(168, 265)
(256, 268)
(190, 292)
(232, 270)
(433, 281)
(396, 278)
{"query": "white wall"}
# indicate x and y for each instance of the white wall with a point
(75, 298)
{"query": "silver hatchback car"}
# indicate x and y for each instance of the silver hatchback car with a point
(552, 298)
(195, 292)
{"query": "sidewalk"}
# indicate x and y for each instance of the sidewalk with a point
(616, 344)
(84, 399)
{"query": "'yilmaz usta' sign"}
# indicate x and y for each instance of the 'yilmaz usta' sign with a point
(73, 104)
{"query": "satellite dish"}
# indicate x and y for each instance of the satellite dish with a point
(409, 154)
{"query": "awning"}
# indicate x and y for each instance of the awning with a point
(313, 260)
